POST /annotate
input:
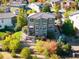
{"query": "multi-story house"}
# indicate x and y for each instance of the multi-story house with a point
(40, 24)
(6, 20)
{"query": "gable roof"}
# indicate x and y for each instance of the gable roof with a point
(6, 15)
(42, 15)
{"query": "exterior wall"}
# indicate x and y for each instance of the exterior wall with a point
(75, 20)
(41, 26)
(5, 22)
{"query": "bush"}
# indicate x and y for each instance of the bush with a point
(34, 57)
(63, 49)
(14, 45)
(53, 46)
(68, 28)
(24, 29)
(1, 56)
(39, 46)
(13, 54)
(54, 56)
(42, 45)
(46, 53)
(25, 53)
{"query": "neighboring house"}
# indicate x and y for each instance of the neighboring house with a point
(75, 18)
(40, 24)
(36, 6)
(16, 1)
(6, 20)
(15, 8)
(56, 0)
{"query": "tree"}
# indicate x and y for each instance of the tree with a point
(1, 56)
(21, 20)
(25, 53)
(13, 54)
(46, 53)
(53, 46)
(63, 49)
(42, 1)
(33, 1)
(46, 7)
(34, 57)
(5, 44)
(68, 28)
(24, 29)
(54, 56)
(56, 7)
(14, 45)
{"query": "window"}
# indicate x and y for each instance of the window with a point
(31, 20)
(0, 25)
(2, 21)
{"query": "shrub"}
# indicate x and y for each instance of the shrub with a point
(53, 46)
(13, 54)
(46, 53)
(68, 28)
(54, 56)
(14, 45)
(34, 57)
(63, 49)
(39, 46)
(24, 29)
(42, 45)
(17, 35)
(1, 56)
(25, 53)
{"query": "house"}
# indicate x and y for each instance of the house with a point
(16, 1)
(15, 8)
(41, 1)
(6, 20)
(36, 6)
(75, 19)
(40, 24)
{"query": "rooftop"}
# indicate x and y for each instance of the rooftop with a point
(42, 15)
(6, 15)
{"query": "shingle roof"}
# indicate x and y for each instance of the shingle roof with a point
(6, 15)
(42, 15)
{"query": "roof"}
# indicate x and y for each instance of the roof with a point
(17, 5)
(34, 6)
(75, 48)
(74, 13)
(55, 0)
(42, 15)
(75, 18)
(6, 15)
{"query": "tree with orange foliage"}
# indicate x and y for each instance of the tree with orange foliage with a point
(42, 1)
(53, 46)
